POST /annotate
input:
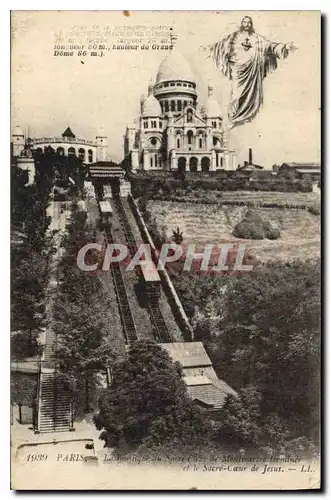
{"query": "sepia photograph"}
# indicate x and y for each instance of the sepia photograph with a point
(165, 241)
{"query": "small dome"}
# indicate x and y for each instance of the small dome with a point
(18, 130)
(151, 106)
(174, 67)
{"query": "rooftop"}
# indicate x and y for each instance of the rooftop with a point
(309, 170)
(188, 353)
(105, 169)
(311, 165)
(105, 207)
(202, 385)
(208, 395)
(68, 133)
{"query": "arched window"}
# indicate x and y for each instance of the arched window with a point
(166, 106)
(160, 124)
(178, 141)
(200, 141)
(71, 152)
(193, 164)
(151, 161)
(221, 161)
(189, 115)
(205, 164)
(173, 106)
(185, 104)
(81, 154)
(156, 160)
(181, 163)
(179, 105)
(60, 151)
(189, 137)
(216, 159)
(162, 107)
(90, 155)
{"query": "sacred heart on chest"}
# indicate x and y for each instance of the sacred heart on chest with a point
(246, 44)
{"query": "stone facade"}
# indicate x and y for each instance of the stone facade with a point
(171, 132)
(66, 144)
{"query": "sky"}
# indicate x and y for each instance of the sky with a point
(103, 94)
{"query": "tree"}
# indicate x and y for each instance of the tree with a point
(147, 402)
(270, 338)
(85, 343)
(243, 423)
(30, 257)
(262, 329)
(177, 236)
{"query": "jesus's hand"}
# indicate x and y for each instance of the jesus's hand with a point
(291, 47)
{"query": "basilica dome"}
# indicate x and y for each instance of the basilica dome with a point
(174, 67)
(151, 107)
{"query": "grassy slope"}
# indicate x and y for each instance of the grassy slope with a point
(300, 230)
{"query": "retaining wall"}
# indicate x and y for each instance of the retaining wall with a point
(168, 287)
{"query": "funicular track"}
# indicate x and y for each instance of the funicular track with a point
(128, 324)
(160, 328)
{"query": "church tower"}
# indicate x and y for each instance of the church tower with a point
(18, 141)
(102, 146)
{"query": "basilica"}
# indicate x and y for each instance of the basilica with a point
(172, 132)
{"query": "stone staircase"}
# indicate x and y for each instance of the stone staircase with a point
(55, 411)
(49, 348)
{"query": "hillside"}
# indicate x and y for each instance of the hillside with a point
(200, 224)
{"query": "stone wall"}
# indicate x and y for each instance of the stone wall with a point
(168, 287)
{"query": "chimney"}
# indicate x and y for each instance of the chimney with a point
(250, 156)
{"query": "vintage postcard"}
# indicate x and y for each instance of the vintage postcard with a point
(165, 250)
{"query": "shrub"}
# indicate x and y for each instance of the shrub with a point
(314, 209)
(273, 233)
(253, 227)
(248, 230)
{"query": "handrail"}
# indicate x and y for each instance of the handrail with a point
(39, 401)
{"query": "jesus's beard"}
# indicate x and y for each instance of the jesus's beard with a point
(247, 29)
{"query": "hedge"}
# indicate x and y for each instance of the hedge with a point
(235, 203)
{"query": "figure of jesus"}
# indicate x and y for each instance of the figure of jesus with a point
(246, 58)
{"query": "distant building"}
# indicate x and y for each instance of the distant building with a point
(301, 170)
(172, 132)
(66, 144)
(249, 166)
(108, 178)
(203, 385)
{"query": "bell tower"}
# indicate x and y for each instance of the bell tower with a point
(102, 147)
(18, 141)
